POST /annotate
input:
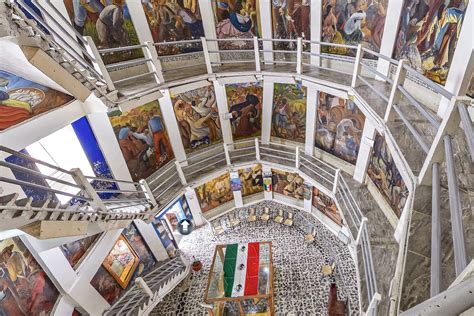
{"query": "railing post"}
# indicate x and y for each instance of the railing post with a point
(435, 269)
(395, 93)
(141, 284)
(227, 156)
(257, 149)
(81, 180)
(207, 58)
(361, 229)
(297, 158)
(257, 54)
(336, 180)
(357, 66)
(148, 193)
(99, 65)
(180, 173)
(373, 303)
(149, 51)
(299, 55)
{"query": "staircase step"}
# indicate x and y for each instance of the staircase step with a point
(7, 199)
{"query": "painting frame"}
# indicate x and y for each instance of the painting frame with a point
(136, 259)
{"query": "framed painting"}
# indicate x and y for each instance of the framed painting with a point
(121, 261)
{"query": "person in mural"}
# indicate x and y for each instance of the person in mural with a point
(246, 116)
(214, 193)
(289, 111)
(109, 25)
(235, 21)
(82, 10)
(251, 179)
(290, 20)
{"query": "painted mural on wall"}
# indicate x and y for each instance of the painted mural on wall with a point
(326, 205)
(353, 22)
(174, 20)
(339, 127)
(198, 118)
(75, 251)
(214, 192)
(290, 20)
(385, 175)
(25, 289)
(251, 180)
(245, 105)
(237, 19)
(108, 23)
(143, 139)
(166, 237)
(288, 183)
(106, 285)
(427, 35)
(146, 258)
(289, 112)
(21, 99)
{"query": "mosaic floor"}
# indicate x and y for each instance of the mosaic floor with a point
(300, 287)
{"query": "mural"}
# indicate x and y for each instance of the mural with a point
(75, 251)
(326, 205)
(166, 237)
(21, 99)
(290, 20)
(339, 127)
(236, 19)
(106, 285)
(25, 289)
(147, 260)
(427, 35)
(353, 22)
(289, 184)
(197, 116)
(289, 112)
(385, 175)
(214, 193)
(174, 20)
(251, 179)
(245, 105)
(109, 25)
(143, 139)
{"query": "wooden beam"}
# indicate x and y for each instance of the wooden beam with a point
(55, 229)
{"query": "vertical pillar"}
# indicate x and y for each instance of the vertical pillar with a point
(394, 98)
(267, 110)
(435, 285)
(266, 26)
(237, 194)
(308, 204)
(152, 240)
(316, 16)
(299, 55)
(357, 66)
(256, 50)
(194, 206)
(311, 115)
(366, 144)
(267, 195)
(209, 26)
(221, 100)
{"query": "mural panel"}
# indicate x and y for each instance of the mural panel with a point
(326, 205)
(198, 118)
(251, 180)
(147, 260)
(339, 127)
(214, 193)
(108, 23)
(143, 139)
(245, 105)
(75, 251)
(25, 287)
(353, 22)
(21, 99)
(166, 238)
(236, 19)
(385, 175)
(289, 112)
(290, 20)
(106, 285)
(287, 183)
(427, 35)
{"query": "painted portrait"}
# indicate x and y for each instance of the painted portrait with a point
(289, 112)
(22, 99)
(146, 258)
(288, 183)
(106, 285)
(75, 251)
(198, 118)
(108, 23)
(339, 127)
(251, 179)
(326, 205)
(290, 20)
(427, 35)
(143, 139)
(386, 177)
(25, 289)
(174, 20)
(237, 19)
(245, 106)
(214, 193)
(353, 22)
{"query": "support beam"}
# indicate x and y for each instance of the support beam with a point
(435, 234)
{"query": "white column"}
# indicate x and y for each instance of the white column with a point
(316, 34)
(209, 26)
(308, 204)
(311, 114)
(64, 306)
(151, 238)
(366, 144)
(267, 195)
(267, 110)
(194, 206)
(221, 100)
(266, 27)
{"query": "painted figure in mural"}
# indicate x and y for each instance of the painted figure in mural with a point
(214, 193)
(109, 25)
(75, 251)
(289, 184)
(428, 33)
(251, 180)
(290, 20)
(326, 205)
(245, 105)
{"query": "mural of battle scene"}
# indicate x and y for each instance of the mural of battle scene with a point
(174, 20)
(287, 183)
(353, 22)
(385, 175)
(427, 35)
(108, 23)
(290, 20)
(21, 99)
(289, 112)
(25, 289)
(245, 105)
(251, 180)
(326, 205)
(237, 19)
(75, 251)
(214, 192)
(143, 139)
(339, 127)
(198, 118)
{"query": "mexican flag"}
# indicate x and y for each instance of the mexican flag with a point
(241, 265)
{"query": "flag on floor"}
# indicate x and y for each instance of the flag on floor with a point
(241, 265)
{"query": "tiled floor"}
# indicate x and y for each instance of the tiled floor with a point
(300, 287)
